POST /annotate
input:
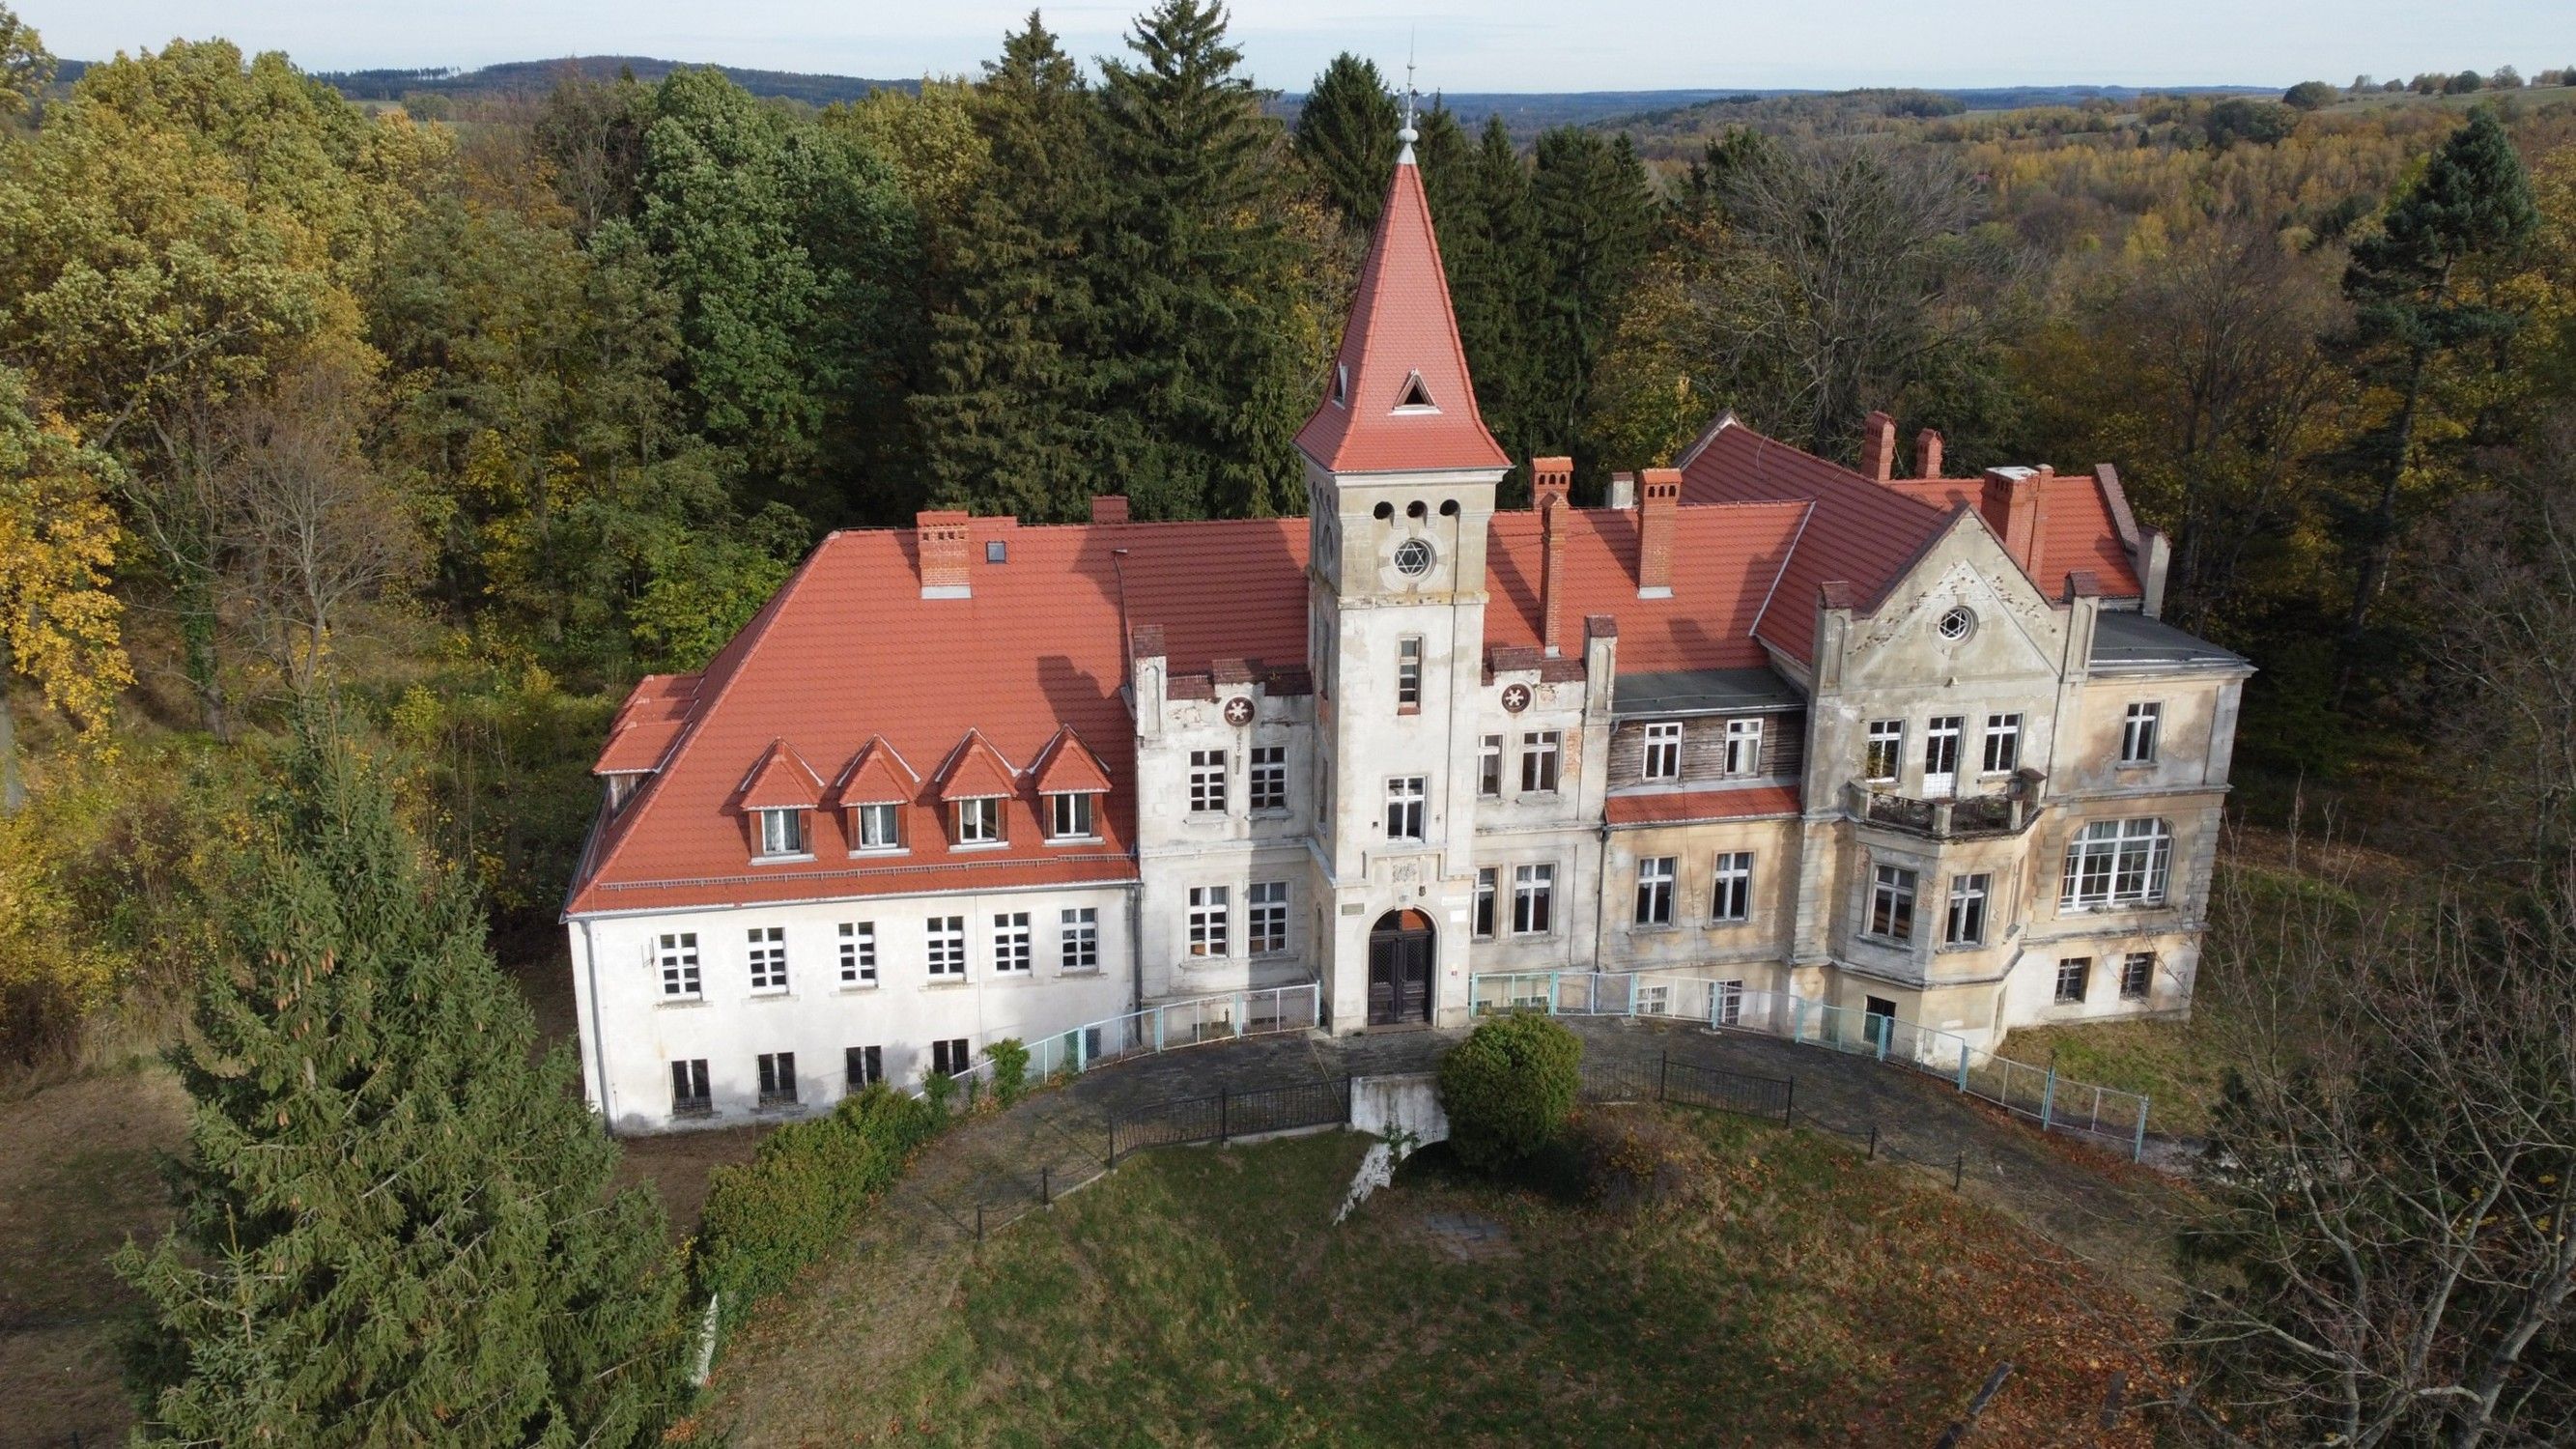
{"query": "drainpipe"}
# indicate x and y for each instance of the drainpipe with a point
(1600, 894)
(1135, 845)
(598, 1044)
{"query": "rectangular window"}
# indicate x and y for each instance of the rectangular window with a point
(1408, 672)
(1539, 750)
(1207, 782)
(1533, 899)
(1743, 747)
(1069, 816)
(878, 827)
(2003, 743)
(777, 1078)
(782, 832)
(1011, 942)
(979, 821)
(2074, 974)
(1270, 777)
(1489, 767)
(949, 1056)
(2117, 863)
(946, 956)
(1733, 899)
(1486, 889)
(1941, 752)
(1404, 799)
(1891, 904)
(1655, 890)
(689, 1094)
(1966, 924)
(768, 952)
(1730, 1003)
(2138, 733)
(1209, 917)
(858, 953)
(677, 955)
(1886, 751)
(1265, 926)
(862, 1067)
(1663, 757)
(1079, 940)
(2137, 975)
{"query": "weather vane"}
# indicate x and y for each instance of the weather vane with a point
(1408, 135)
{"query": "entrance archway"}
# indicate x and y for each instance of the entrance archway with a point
(1401, 950)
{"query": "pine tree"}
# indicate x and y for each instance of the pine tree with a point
(1346, 136)
(1004, 415)
(1493, 284)
(1202, 390)
(394, 1220)
(1593, 215)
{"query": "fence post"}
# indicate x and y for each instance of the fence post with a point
(1886, 1033)
(1046, 1184)
(1959, 1171)
(1797, 1019)
(1663, 1076)
(979, 1222)
(1113, 1142)
(2138, 1145)
(1350, 1099)
(1158, 1027)
(2048, 1097)
(1873, 1142)
(1241, 1005)
(1551, 993)
(1789, 1103)
(1221, 1133)
(1963, 1064)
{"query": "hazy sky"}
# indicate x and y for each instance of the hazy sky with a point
(1462, 45)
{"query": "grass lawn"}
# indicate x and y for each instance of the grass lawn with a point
(1205, 1296)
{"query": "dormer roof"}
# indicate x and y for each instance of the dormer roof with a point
(975, 770)
(781, 781)
(877, 775)
(1068, 767)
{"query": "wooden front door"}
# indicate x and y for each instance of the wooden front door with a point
(1400, 954)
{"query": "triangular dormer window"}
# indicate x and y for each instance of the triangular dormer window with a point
(1341, 384)
(1417, 398)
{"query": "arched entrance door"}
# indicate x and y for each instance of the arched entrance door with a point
(1400, 955)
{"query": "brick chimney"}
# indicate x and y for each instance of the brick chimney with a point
(2012, 508)
(1659, 502)
(1927, 453)
(943, 542)
(1623, 490)
(1550, 476)
(1878, 448)
(1551, 566)
(1109, 508)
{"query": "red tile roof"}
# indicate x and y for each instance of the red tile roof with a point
(975, 770)
(877, 775)
(1402, 334)
(2077, 528)
(1725, 562)
(1068, 767)
(781, 781)
(1679, 807)
(647, 723)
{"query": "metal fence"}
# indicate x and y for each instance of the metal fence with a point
(1228, 1115)
(1661, 1079)
(1227, 1017)
(2037, 1094)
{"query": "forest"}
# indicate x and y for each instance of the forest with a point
(447, 428)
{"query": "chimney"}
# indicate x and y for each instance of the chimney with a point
(1659, 501)
(1927, 453)
(1550, 476)
(1551, 568)
(1623, 490)
(1109, 508)
(942, 537)
(1878, 448)
(2012, 509)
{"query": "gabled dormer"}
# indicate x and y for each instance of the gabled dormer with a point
(872, 792)
(1070, 781)
(778, 799)
(975, 782)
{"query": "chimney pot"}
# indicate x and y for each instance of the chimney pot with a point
(1623, 490)
(942, 537)
(1878, 447)
(2011, 506)
(1550, 477)
(1659, 501)
(1927, 453)
(1109, 508)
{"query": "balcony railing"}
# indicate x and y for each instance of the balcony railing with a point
(1966, 817)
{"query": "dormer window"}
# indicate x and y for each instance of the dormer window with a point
(1417, 397)
(1341, 384)
(1070, 816)
(979, 821)
(876, 827)
(782, 833)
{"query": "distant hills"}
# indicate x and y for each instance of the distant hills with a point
(536, 77)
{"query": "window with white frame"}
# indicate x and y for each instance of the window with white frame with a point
(1652, 1000)
(690, 1096)
(1011, 942)
(1207, 782)
(2138, 731)
(2074, 976)
(1662, 759)
(1487, 888)
(979, 820)
(858, 953)
(2003, 743)
(1069, 816)
(1539, 752)
(2137, 975)
(1966, 923)
(1733, 898)
(1730, 1003)
(950, 1057)
(1891, 903)
(2117, 863)
(1743, 747)
(1886, 755)
(1209, 918)
(1489, 767)
(782, 832)
(768, 955)
(1941, 748)
(862, 1067)
(777, 1078)
(945, 952)
(879, 827)
(1533, 899)
(1265, 917)
(1408, 672)
(1655, 890)
(1270, 777)
(676, 953)
(1078, 941)
(1405, 795)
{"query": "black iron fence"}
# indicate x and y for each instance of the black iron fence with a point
(1228, 1115)
(1661, 1079)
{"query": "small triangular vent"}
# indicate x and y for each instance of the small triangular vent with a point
(1416, 396)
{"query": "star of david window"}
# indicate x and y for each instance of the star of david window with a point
(1413, 558)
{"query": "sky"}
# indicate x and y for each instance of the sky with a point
(1460, 45)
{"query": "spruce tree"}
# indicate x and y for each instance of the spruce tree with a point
(1346, 136)
(1004, 414)
(1494, 283)
(394, 1218)
(1202, 389)
(1593, 217)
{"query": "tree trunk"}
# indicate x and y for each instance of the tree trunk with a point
(13, 791)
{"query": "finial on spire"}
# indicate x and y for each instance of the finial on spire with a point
(1408, 135)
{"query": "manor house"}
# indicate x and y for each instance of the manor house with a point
(1918, 746)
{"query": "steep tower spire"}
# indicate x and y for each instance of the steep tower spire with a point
(1400, 399)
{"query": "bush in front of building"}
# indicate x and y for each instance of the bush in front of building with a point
(1010, 1057)
(802, 1192)
(1508, 1089)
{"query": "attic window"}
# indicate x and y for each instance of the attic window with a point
(1417, 398)
(1341, 384)
(996, 551)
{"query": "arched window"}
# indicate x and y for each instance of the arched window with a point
(2117, 863)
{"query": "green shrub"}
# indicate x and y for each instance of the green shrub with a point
(801, 1192)
(1010, 1058)
(939, 1089)
(1508, 1089)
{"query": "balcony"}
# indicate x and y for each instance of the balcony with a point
(1967, 818)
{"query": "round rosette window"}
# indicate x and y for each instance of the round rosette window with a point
(1413, 558)
(1958, 624)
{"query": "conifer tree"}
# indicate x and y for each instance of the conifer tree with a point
(394, 1219)
(1494, 283)
(1592, 214)
(1346, 136)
